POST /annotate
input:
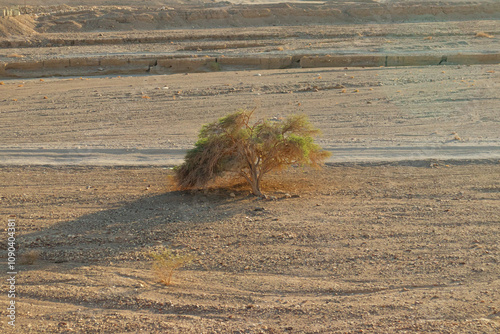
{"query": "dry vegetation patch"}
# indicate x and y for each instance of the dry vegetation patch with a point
(166, 263)
(484, 35)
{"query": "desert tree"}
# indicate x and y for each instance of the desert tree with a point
(233, 144)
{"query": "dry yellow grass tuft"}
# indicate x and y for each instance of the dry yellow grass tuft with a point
(483, 34)
(15, 55)
(456, 136)
(166, 263)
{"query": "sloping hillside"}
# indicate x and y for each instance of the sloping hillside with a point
(22, 25)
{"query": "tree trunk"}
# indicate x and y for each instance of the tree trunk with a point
(255, 183)
(255, 190)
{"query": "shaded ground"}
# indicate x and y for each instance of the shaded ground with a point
(365, 248)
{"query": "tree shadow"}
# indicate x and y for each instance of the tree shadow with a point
(127, 232)
(131, 230)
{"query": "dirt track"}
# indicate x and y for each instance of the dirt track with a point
(399, 111)
(378, 114)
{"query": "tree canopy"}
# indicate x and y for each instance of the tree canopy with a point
(233, 144)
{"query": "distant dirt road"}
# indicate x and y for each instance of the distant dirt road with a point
(372, 114)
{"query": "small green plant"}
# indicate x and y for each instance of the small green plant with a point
(166, 263)
(214, 66)
(232, 144)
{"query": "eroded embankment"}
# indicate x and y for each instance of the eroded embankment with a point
(84, 19)
(168, 64)
(23, 25)
(81, 19)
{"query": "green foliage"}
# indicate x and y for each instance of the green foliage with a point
(166, 263)
(231, 144)
(214, 66)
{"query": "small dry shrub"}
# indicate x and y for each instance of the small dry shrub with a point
(29, 257)
(483, 34)
(166, 263)
(14, 55)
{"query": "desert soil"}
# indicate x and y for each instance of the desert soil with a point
(381, 114)
(387, 248)
(399, 232)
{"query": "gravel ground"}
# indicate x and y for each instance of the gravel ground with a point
(378, 248)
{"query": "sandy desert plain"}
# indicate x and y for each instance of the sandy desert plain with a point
(398, 233)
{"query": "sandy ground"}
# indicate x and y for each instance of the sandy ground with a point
(365, 114)
(380, 113)
(365, 248)
(398, 233)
